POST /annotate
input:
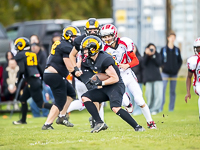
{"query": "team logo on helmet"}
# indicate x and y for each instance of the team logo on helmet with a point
(22, 43)
(70, 31)
(93, 44)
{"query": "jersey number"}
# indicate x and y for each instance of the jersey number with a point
(31, 59)
(55, 44)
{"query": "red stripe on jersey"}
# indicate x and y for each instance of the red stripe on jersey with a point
(105, 47)
(121, 42)
(134, 61)
(195, 75)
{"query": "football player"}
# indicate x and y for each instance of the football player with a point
(111, 89)
(27, 60)
(57, 69)
(194, 68)
(122, 51)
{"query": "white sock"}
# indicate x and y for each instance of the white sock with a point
(125, 100)
(101, 112)
(61, 115)
(199, 105)
(146, 113)
(46, 123)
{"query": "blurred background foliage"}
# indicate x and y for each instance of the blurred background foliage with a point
(23, 10)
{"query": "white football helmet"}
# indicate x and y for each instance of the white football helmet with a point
(196, 44)
(109, 29)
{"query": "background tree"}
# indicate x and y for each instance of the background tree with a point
(22, 10)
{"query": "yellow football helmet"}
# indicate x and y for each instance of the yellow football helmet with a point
(22, 43)
(92, 23)
(70, 31)
(92, 43)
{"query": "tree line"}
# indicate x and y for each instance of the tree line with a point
(12, 11)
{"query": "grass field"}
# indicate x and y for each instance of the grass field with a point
(176, 130)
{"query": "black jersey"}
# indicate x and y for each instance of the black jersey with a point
(59, 50)
(102, 62)
(27, 61)
(77, 41)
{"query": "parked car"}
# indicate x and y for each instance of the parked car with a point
(5, 44)
(43, 28)
(81, 23)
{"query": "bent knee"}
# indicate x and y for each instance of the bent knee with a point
(115, 109)
(85, 99)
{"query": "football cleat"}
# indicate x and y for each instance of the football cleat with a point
(47, 127)
(98, 127)
(63, 121)
(19, 122)
(139, 128)
(151, 125)
(92, 122)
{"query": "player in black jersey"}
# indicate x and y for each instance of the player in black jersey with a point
(111, 89)
(57, 69)
(27, 60)
(92, 27)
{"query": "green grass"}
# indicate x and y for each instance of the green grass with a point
(176, 130)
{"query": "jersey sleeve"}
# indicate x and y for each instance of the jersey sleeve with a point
(65, 51)
(192, 63)
(19, 56)
(107, 62)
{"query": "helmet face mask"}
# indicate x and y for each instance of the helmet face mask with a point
(109, 34)
(70, 32)
(92, 27)
(91, 45)
(197, 46)
(22, 43)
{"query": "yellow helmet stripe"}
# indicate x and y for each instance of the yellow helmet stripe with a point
(96, 24)
(23, 43)
(90, 40)
(74, 31)
(87, 24)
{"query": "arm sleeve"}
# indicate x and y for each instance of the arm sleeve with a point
(18, 57)
(134, 61)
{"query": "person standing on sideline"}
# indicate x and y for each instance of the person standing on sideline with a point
(193, 68)
(152, 78)
(171, 64)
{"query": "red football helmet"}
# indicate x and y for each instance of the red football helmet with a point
(109, 29)
(197, 46)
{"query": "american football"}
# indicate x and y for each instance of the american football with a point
(101, 76)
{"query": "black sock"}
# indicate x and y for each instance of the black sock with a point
(24, 111)
(127, 117)
(48, 105)
(93, 111)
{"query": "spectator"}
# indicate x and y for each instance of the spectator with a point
(41, 59)
(171, 63)
(152, 78)
(138, 72)
(10, 77)
(55, 37)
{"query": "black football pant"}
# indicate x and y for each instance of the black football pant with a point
(32, 89)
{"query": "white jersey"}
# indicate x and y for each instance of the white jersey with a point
(194, 65)
(120, 54)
